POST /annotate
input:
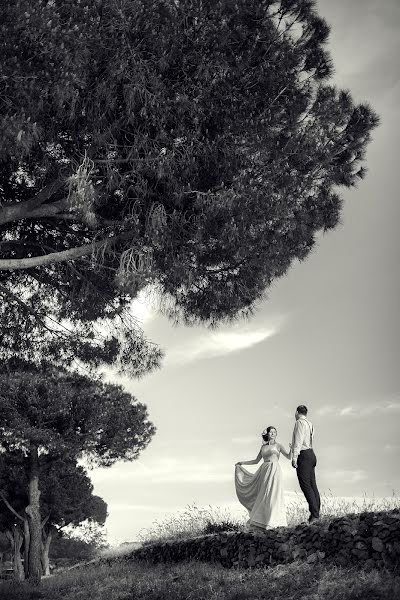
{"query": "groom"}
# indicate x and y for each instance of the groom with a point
(304, 460)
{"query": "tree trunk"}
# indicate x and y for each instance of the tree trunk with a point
(16, 538)
(34, 520)
(27, 542)
(45, 552)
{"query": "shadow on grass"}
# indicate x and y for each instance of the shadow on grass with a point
(123, 580)
(13, 590)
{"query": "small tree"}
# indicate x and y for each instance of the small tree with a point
(72, 547)
(66, 499)
(48, 410)
(13, 500)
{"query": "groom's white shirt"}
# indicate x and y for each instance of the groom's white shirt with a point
(301, 439)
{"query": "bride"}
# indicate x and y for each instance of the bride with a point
(262, 492)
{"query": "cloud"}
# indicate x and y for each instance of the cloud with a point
(386, 407)
(357, 410)
(200, 474)
(140, 507)
(220, 343)
(350, 476)
(392, 407)
(392, 447)
(166, 471)
(249, 439)
(324, 411)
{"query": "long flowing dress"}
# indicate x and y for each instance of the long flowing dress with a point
(262, 492)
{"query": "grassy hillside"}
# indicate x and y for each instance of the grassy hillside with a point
(123, 578)
(198, 581)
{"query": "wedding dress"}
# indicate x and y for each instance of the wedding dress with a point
(262, 492)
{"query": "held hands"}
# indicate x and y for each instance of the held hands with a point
(294, 462)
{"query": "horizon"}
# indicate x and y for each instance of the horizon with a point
(238, 514)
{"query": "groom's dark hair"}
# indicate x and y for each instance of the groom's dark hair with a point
(302, 409)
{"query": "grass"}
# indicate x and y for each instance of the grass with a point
(333, 506)
(199, 581)
(194, 521)
(125, 579)
(190, 522)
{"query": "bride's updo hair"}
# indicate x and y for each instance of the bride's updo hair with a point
(265, 433)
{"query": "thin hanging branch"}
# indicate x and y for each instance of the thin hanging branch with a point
(6, 502)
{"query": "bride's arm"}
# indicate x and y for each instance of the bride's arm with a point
(286, 453)
(251, 462)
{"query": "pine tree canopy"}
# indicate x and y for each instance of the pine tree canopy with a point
(194, 148)
(66, 414)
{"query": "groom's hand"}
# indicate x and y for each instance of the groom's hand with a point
(294, 464)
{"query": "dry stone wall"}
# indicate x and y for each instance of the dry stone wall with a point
(368, 539)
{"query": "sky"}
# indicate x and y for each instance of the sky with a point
(327, 336)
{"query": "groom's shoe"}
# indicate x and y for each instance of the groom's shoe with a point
(313, 519)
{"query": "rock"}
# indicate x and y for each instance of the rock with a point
(371, 540)
(312, 558)
(383, 533)
(392, 519)
(360, 545)
(364, 529)
(284, 548)
(369, 564)
(260, 558)
(377, 544)
(360, 554)
(387, 561)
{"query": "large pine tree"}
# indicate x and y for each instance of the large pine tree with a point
(192, 146)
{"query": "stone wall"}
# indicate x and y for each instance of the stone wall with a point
(368, 539)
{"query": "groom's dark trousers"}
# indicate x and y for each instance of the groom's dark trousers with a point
(306, 463)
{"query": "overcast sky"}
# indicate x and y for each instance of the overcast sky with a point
(328, 337)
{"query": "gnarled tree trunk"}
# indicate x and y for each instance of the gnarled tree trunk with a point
(47, 539)
(16, 539)
(34, 520)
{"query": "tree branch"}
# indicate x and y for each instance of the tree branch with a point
(48, 210)
(21, 210)
(45, 520)
(12, 264)
(6, 502)
(25, 306)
